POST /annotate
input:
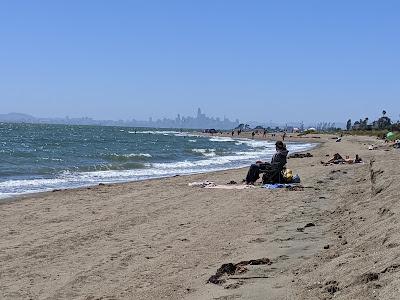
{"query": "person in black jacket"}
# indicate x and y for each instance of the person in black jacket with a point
(272, 170)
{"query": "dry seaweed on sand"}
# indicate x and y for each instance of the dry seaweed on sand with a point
(238, 268)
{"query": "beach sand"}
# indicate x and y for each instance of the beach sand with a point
(162, 239)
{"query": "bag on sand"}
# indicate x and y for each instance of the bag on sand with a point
(287, 175)
(296, 179)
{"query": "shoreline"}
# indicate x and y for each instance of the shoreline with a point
(164, 239)
(247, 136)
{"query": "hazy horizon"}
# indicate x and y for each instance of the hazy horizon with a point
(257, 61)
(193, 115)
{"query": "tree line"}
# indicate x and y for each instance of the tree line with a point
(383, 123)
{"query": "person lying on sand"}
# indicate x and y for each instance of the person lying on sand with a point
(338, 159)
(273, 169)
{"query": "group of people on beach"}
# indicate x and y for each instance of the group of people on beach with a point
(264, 133)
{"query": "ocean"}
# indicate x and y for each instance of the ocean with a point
(41, 157)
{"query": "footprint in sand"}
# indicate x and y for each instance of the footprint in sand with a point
(257, 240)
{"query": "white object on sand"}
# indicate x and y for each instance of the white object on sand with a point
(230, 187)
(202, 183)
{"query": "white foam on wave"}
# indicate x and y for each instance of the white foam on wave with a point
(129, 155)
(12, 188)
(137, 155)
(166, 133)
(162, 132)
(221, 139)
(300, 147)
(255, 143)
(187, 134)
(53, 159)
(205, 152)
(237, 159)
(199, 150)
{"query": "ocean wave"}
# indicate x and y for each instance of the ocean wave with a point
(168, 132)
(128, 165)
(24, 154)
(238, 158)
(137, 155)
(212, 161)
(221, 139)
(124, 167)
(126, 157)
(52, 159)
(187, 134)
(255, 143)
(81, 179)
(205, 152)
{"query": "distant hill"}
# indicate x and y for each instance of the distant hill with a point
(17, 117)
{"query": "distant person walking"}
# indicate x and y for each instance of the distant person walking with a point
(252, 135)
(264, 133)
(233, 132)
(283, 136)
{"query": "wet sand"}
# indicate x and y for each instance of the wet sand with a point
(162, 239)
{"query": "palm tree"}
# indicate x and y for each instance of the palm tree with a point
(348, 125)
(365, 123)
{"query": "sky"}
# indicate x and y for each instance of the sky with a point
(253, 60)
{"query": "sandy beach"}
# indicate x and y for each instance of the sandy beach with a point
(337, 237)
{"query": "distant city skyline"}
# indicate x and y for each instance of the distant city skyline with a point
(266, 61)
(199, 121)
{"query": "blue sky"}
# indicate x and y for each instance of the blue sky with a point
(252, 60)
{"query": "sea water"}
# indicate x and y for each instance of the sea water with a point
(41, 157)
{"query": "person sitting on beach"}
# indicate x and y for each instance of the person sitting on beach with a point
(358, 159)
(272, 170)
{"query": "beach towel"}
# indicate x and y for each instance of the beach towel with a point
(202, 184)
(230, 187)
(276, 186)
